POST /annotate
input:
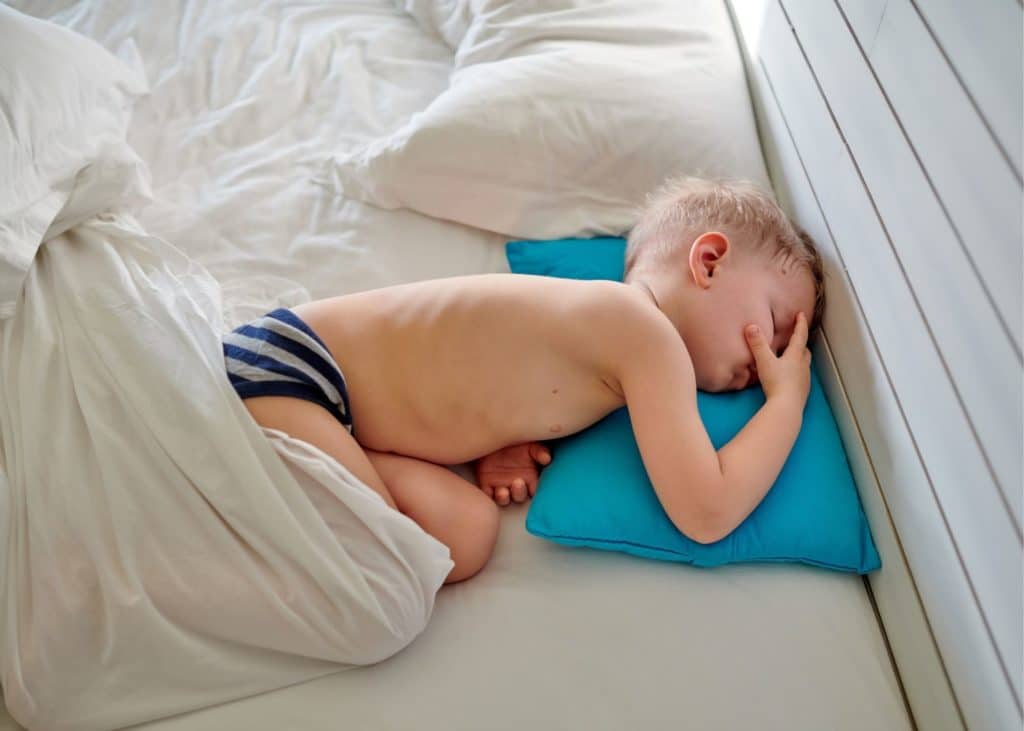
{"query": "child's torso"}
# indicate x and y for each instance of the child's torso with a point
(449, 370)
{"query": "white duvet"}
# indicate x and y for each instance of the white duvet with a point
(165, 553)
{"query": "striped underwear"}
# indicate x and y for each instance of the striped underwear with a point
(280, 355)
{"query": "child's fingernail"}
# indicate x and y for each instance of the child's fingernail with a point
(752, 330)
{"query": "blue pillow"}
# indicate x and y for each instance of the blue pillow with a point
(596, 491)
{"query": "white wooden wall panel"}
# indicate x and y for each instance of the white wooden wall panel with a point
(949, 462)
(960, 367)
(973, 179)
(922, 338)
(982, 364)
(983, 40)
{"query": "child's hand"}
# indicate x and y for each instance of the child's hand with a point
(511, 473)
(788, 374)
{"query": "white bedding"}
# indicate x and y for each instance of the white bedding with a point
(165, 553)
(246, 105)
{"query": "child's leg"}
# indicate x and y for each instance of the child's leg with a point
(449, 508)
(446, 506)
(315, 425)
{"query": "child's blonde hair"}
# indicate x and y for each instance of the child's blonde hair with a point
(685, 207)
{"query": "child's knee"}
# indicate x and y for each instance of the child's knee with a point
(474, 539)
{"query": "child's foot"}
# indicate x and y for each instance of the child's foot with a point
(511, 473)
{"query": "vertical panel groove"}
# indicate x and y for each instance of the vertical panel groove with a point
(924, 464)
(888, 378)
(881, 624)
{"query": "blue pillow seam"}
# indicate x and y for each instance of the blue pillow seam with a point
(780, 559)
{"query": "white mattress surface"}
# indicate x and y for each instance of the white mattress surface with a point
(247, 102)
(551, 637)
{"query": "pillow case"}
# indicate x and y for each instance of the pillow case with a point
(561, 116)
(67, 106)
(596, 492)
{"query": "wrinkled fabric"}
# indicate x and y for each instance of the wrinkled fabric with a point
(164, 552)
(66, 103)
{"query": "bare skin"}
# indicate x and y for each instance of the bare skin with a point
(485, 367)
(445, 371)
(449, 370)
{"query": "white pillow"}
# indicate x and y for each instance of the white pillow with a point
(63, 153)
(561, 116)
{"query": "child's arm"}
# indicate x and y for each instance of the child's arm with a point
(706, 493)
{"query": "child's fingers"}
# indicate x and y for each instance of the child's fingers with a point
(758, 345)
(540, 453)
(798, 340)
(501, 496)
(519, 490)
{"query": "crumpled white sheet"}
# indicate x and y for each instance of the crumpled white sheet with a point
(165, 552)
(248, 101)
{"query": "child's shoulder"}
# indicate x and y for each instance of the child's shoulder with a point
(606, 308)
(619, 304)
(621, 319)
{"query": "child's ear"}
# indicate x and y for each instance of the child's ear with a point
(707, 253)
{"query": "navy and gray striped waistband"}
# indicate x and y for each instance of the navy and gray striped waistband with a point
(280, 355)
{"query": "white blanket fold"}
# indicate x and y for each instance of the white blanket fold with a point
(166, 553)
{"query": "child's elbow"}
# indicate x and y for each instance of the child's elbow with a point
(701, 527)
(696, 509)
(707, 535)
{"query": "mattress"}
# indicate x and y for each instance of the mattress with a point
(247, 102)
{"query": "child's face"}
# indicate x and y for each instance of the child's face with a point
(732, 295)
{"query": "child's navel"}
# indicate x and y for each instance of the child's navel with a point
(556, 428)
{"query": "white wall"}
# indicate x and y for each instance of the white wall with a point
(893, 132)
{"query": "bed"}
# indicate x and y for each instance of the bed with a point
(246, 106)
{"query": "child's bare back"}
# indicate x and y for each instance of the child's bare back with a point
(449, 370)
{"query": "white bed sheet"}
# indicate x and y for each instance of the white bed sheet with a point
(247, 102)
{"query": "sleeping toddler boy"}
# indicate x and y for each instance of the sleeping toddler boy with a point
(720, 292)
